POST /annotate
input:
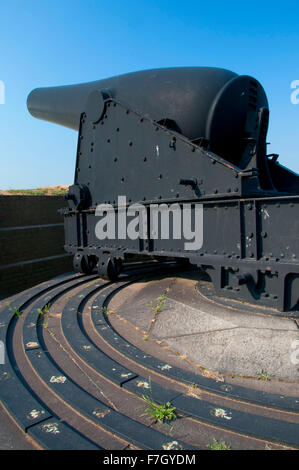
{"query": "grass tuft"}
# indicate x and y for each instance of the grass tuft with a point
(160, 413)
(218, 445)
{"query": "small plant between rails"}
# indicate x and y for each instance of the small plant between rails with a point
(15, 310)
(44, 314)
(160, 413)
(157, 309)
(107, 312)
(264, 375)
(218, 445)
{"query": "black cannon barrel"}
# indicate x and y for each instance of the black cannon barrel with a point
(206, 102)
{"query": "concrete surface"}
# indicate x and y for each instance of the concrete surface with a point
(220, 339)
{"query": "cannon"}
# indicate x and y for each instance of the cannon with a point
(165, 155)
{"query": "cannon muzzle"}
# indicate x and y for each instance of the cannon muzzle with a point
(60, 105)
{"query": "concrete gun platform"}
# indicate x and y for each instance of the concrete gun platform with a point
(219, 338)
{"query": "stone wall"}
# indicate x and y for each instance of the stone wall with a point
(31, 241)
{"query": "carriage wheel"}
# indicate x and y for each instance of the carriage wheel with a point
(84, 263)
(109, 268)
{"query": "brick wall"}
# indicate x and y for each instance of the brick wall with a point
(31, 242)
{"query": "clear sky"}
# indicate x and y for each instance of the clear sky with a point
(60, 42)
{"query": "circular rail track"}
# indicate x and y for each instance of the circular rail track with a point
(72, 380)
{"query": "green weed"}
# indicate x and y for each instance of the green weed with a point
(160, 413)
(44, 314)
(16, 311)
(263, 375)
(218, 445)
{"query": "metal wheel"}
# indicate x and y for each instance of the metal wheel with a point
(84, 263)
(109, 268)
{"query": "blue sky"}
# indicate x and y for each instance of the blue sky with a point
(59, 42)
